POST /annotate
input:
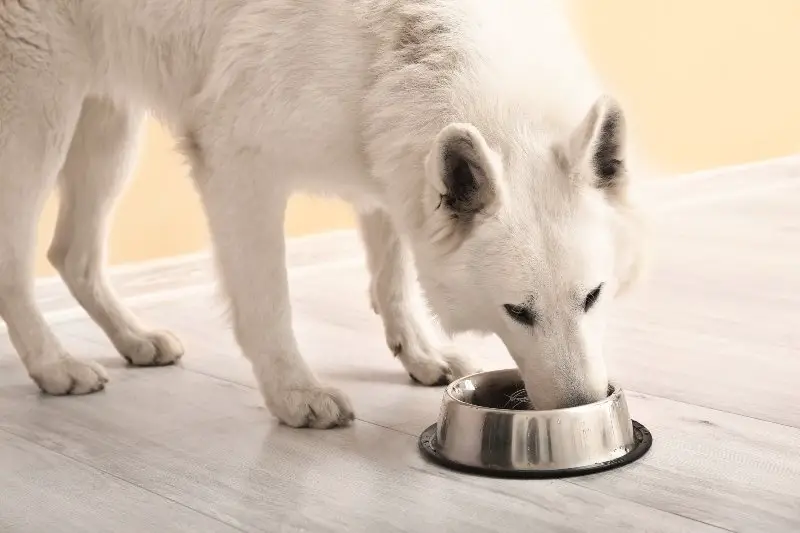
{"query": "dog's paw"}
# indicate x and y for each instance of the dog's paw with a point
(314, 407)
(435, 366)
(67, 375)
(157, 348)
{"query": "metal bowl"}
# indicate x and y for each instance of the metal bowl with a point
(486, 426)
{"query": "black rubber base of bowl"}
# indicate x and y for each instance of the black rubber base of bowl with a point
(643, 439)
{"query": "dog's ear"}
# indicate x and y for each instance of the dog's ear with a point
(463, 173)
(596, 149)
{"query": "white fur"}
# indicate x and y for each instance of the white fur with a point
(344, 97)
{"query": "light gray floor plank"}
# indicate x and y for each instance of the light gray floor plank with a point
(732, 471)
(207, 444)
(751, 467)
(43, 491)
(709, 350)
(716, 324)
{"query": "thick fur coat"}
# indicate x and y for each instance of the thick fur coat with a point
(485, 164)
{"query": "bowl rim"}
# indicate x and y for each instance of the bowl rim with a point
(617, 392)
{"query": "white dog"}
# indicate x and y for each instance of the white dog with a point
(468, 134)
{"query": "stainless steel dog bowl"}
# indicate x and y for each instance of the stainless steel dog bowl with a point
(486, 427)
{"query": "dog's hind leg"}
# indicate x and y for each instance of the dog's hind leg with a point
(410, 332)
(98, 162)
(39, 106)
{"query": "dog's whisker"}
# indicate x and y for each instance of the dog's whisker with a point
(518, 399)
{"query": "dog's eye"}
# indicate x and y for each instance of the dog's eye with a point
(591, 298)
(520, 314)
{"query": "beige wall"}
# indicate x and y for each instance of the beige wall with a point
(705, 83)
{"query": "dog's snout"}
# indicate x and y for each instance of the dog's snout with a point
(585, 397)
(575, 400)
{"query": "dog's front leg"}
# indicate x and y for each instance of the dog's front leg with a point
(246, 220)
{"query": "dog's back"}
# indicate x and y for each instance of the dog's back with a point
(170, 55)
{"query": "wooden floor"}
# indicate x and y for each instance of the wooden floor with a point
(709, 350)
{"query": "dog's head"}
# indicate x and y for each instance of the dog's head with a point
(532, 242)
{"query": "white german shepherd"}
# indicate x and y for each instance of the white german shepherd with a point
(468, 134)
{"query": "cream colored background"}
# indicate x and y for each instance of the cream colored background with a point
(705, 83)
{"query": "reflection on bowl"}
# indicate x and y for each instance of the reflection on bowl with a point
(486, 426)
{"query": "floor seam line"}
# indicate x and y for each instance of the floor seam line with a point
(578, 484)
(250, 388)
(715, 409)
